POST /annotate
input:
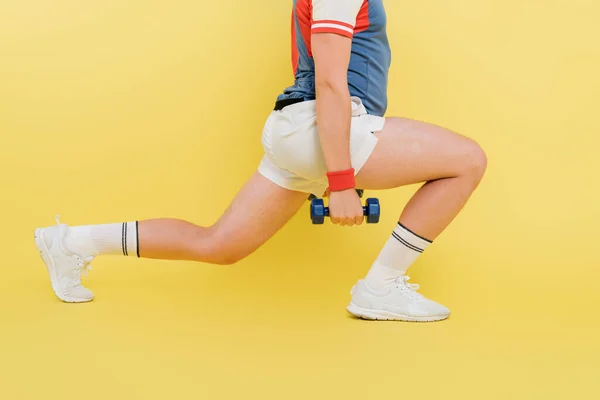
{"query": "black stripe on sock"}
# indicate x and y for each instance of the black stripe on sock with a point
(123, 238)
(420, 237)
(404, 242)
(137, 239)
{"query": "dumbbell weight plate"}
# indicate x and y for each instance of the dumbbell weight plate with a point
(317, 211)
(373, 211)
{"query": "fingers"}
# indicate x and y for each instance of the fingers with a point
(342, 221)
(354, 221)
(347, 221)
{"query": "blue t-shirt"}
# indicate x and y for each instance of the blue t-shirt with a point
(362, 20)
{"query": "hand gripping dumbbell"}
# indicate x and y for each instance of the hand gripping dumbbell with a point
(318, 211)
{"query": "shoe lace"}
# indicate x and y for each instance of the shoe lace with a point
(83, 264)
(408, 289)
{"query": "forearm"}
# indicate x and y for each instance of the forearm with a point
(334, 114)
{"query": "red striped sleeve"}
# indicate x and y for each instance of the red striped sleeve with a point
(331, 26)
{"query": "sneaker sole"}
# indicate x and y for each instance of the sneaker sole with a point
(51, 268)
(383, 315)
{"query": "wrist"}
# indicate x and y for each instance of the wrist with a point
(341, 180)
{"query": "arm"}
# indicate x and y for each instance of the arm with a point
(331, 53)
(331, 41)
(331, 37)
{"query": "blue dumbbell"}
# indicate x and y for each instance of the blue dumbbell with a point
(318, 211)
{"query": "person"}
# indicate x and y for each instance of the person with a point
(327, 135)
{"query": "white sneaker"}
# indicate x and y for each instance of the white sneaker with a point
(64, 267)
(399, 302)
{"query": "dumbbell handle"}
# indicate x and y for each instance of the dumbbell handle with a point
(326, 209)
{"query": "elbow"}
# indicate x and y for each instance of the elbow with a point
(331, 84)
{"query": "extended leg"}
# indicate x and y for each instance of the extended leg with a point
(258, 211)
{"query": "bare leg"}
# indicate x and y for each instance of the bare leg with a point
(411, 152)
(257, 212)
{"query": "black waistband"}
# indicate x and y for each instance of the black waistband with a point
(281, 104)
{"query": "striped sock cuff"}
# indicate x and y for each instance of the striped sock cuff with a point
(410, 239)
(129, 239)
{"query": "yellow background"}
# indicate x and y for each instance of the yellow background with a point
(112, 111)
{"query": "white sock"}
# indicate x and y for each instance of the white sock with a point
(399, 252)
(116, 239)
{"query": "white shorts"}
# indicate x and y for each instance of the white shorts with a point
(293, 156)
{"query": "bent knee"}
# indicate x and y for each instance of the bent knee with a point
(475, 161)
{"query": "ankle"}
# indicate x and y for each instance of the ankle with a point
(380, 277)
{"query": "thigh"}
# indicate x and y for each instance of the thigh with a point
(410, 151)
(256, 213)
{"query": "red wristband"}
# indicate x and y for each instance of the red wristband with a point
(341, 180)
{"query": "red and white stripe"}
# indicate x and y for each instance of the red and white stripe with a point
(331, 26)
